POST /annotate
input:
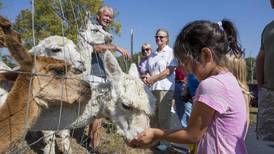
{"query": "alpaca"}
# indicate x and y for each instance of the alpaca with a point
(60, 48)
(124, 99)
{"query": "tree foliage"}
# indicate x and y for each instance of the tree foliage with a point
(125, 64)
(53, 18)
(251, 67)
(7, 59)
(1, 5)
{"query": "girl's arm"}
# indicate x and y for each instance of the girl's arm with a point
(199, 121)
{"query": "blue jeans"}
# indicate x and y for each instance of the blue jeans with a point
(183, 109)
(186, 114)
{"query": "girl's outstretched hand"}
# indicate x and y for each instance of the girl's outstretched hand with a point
(144, 139)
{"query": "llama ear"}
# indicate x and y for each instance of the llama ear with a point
(13, 42)
(133, 71)
(36, 51)
(87, 18)
(112, 67)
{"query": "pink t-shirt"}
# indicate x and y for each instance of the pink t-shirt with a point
(228, 128)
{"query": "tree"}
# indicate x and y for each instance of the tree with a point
(125, 64)
(1, 5)
(251, 66)
(7, 59)
(53, 18)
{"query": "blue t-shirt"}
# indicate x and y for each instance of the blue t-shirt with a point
(192, 84)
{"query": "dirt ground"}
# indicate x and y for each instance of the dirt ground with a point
(111, 143)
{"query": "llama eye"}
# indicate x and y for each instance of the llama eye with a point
(59, 72)
(55, 50)
(126, 107)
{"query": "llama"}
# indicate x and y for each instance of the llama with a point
(124, 99)
(88, 35)
(131, 88)
(60, 48)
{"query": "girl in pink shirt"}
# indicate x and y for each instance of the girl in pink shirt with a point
(218, 121)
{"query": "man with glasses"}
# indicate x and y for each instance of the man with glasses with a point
(161, 77)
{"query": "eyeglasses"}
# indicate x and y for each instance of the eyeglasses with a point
(161, 37)
(145, 49)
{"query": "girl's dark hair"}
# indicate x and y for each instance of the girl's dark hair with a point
(220, 38)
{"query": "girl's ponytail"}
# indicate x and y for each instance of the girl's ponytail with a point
(231, 34)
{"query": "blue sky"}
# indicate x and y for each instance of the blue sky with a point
(146, 16)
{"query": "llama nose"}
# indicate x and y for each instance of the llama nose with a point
(82, 66)
(78, 68)
(87, 89)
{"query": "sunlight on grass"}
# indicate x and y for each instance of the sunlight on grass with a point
(253, 114)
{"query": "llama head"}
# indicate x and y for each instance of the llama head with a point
(91, 33)
(131, 103)
(60, 48)
(56, 82)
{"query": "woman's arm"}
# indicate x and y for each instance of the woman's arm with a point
(169, 70)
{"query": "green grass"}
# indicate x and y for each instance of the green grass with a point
(253, 114)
